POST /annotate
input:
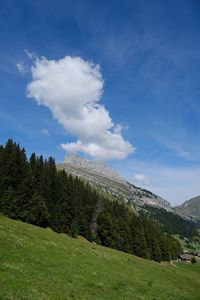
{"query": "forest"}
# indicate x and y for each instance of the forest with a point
(170, 222)
(33, 191)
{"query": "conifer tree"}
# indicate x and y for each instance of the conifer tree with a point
(36, 212)
(138, 238)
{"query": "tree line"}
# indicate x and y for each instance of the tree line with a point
(171, 223)
(34, 191)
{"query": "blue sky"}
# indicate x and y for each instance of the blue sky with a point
(142, 102)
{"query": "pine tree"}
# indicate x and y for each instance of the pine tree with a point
(152, 237)
(36, 211)
(8, 203)
(139, 244)
(73, 228)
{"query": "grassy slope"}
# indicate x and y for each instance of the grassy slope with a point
(195, 246)
(37, 263)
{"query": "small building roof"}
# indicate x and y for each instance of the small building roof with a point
(185, 256)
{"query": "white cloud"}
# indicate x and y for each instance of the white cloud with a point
(20, 67)
(141, 178)
(30, 55)
(174, 183)
(71, 88)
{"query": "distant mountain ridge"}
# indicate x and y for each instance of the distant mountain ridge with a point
(102, 177)
(190, 209)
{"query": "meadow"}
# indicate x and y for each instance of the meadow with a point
(39, 264)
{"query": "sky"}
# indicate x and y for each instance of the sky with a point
(114, 81)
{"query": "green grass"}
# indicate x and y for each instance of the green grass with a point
(38, 263)
(191, 247)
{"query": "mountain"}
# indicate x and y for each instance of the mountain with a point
(190, 209)
(110, 182)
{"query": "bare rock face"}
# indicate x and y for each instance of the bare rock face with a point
(110, 182)
(190, 209)
(90, 166)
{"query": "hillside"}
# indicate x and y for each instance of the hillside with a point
(38, 263)
(143, 202)
(34, 191)
(190, 209)
(109, 181)
(171, 223)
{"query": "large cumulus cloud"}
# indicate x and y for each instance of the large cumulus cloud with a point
(71, 88)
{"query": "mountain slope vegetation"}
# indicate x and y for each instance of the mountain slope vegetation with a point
(33, 191)
(104, 178)
(113, 186)
(37, 263)
(171, 223)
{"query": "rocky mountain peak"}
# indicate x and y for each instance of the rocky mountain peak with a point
(109, 181)
(93, 167)
(190, 208)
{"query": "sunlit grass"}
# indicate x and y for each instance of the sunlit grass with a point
(38, 263)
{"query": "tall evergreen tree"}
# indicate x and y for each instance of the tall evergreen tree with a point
(36, 211)
(139, 243)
